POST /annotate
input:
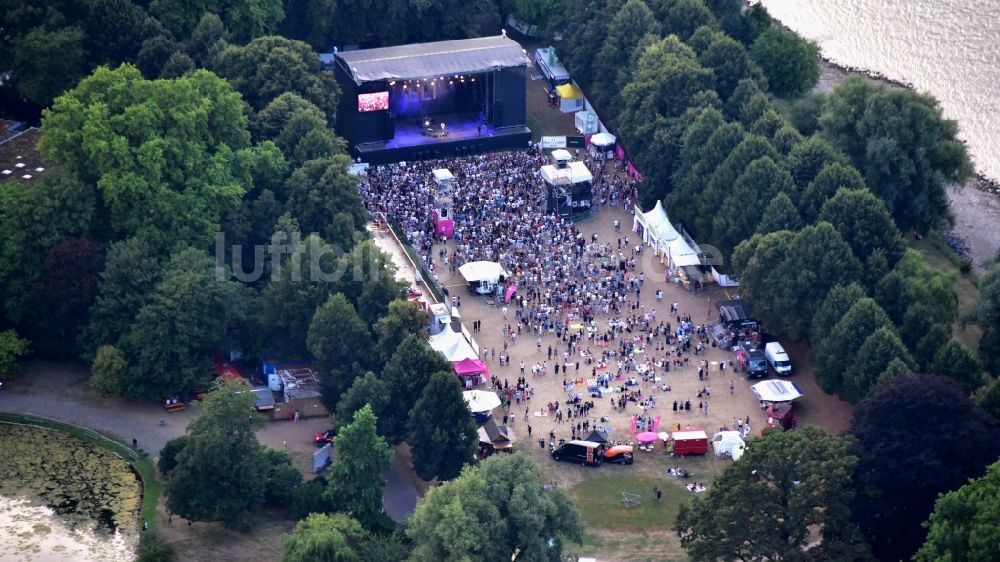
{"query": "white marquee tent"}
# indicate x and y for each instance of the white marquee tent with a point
(730, 442)
(478, 271)
(658, 232)
(776, 390)
(603, 139)
(452, 345)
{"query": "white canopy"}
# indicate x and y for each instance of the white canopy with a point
(776, 390)
(729, 442)
(481, 400)
(452, 345)
(575, 172)
(681, 254)
(603, 139)
(561, 155)
(442, 175)
(482, 271)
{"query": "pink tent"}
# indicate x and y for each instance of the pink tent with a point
(470, 367)
(511, 289)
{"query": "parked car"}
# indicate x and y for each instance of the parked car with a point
(324, 437)
(778, 359)
(592, 453)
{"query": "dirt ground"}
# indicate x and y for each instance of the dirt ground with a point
(814, 408)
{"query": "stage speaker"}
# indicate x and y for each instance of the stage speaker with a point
(498, 115)
(389, 129)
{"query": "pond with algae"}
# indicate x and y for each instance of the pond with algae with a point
(62, 498)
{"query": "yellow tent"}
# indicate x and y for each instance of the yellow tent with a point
(569, 92)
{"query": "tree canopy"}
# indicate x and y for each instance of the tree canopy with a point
(787, 488)
(356, 481)
(790, 62)
(918, 436)
(339, 341)
(491, 511)
(965, 523)
(323, 538)
(442, 435)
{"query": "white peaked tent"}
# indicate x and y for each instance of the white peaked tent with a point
(478, 271)
(776, 390)
(481, 400)
(658, 232)
(452, 345)
(603, 139)
(729, 442)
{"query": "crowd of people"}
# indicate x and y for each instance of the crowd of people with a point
(581, 293)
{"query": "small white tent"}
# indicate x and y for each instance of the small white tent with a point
(729, 442)
(479, 271)
(776, 390)
(604, 140)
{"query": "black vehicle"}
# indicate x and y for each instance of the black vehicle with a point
(753, 360)
(587, 453)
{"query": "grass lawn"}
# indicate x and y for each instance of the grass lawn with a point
(600, 503)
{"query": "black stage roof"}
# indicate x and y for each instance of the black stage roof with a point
(428, 60)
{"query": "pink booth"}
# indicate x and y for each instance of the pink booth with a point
(472, 370)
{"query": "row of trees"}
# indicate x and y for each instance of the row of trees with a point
(808, 491)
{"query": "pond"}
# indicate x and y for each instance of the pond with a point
(62, 498)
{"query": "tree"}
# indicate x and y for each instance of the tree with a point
(787, 488)
(723, 177)
(965, 523)
(736, 220)
(804, 112)
(906, 149)
(808, 158)
(730, 62)
(988, 398)
(306, 137)
(107, 371)
(179, 65)
(912, 281)
(442, 435)
(339, 341)
(790, 62)
(319, 193)
(402, 319)
(780, 214)
(168, 454)
(839, 347)
(184, 323)
(273, 119)
(154, 54)
(221, 473)
(683, 17)
(160, 151)
(33, 218)
(47, 62)
(115, 29)
(406, 374)
(696, 167)
(490, 511)
(356, 481)
(823, 187)
(12, 348)
(871, 360)
(247, 19)
(323, 538)
(956, 362)
(836, 303)
(864, 223)
(62, 294)
(267, 67)
(281, 479)
(633, 22)
(988, 318)
(898, 482)
(130, 274)
(207, 39)
(370, 280)
(365, 390)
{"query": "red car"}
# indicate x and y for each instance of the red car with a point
(324, 437)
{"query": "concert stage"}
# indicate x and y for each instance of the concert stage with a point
(463, 134)
(396, 98)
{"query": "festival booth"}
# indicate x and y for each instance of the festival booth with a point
(729, 444)
(471, 371)
(483, 277)
(444, 223)
(439, 315)
(776, 390)
(690, 442)
(570, 98)
(452, 345)
(781, 415)
(481, 403)
(585, 122)
(603, 145)
(495, 438)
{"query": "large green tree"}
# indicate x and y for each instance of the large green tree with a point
(401, 319)
(12, 348)
(324, 199)
(790, 62)
(988, 318)
(965, 523)
(184, 323)
(840, 345)
(901, 471)
(340, 342)
(870, 361)
(48, 61)
(906, 149)
(625, 30)
(161, 152)
(356, 481)
(737, 219)
(683, 17)
(492, 512)
(788, 493)
(365, 390)
(864, 223)
(823, 187)
(108, 371)
(406, 374)
(323, 538)
(958, 363)
(267, 67)
(221, 473)
(780, 214)
(442, 436)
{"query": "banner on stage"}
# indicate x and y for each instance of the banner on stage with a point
(553, 142)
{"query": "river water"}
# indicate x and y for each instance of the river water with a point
(947, 48)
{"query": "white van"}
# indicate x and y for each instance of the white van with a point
(777, 358)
